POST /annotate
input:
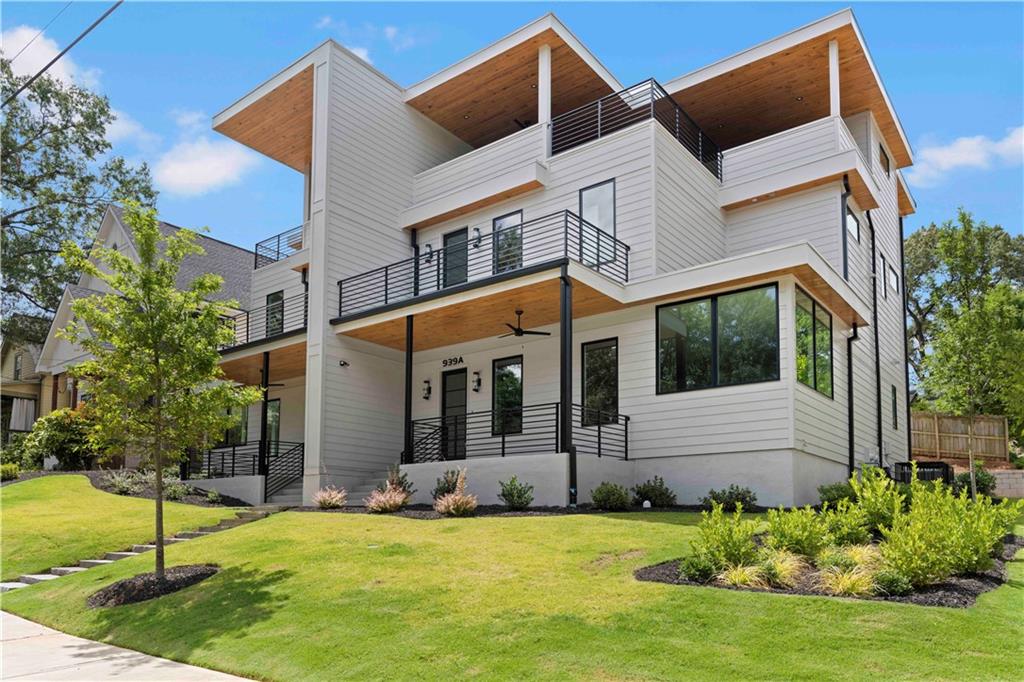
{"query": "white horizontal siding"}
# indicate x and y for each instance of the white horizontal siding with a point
(782, 151)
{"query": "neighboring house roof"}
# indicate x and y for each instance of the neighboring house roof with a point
(233, 263)
(28, 369)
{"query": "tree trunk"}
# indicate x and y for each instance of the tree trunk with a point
(158, 462)
(970, 455)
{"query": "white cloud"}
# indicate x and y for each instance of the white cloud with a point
(196, 167)
(400, 39)
(126, 129)
(324, 22)
(39, 53)
(934, 163)
(190, 120)
(361, 52)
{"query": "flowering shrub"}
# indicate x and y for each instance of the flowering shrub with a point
(386, 501)
(445, 483)
(459, 502)
(330, 497)
(397, 479)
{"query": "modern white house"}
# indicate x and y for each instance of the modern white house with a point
(523, 266)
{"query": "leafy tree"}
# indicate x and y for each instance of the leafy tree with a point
(57, 179)
(950, 268)
(155, 381)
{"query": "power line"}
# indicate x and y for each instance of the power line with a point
(53, 61)
(41, 31)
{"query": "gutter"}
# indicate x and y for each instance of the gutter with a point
(851, 464)
(874, 324)
(906, 342)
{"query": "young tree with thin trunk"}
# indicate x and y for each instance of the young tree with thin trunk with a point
(154, 380)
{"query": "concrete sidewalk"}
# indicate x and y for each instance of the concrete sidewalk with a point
(35, 652)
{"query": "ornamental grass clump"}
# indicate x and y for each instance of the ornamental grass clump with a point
(799, 530)
(445, 483)
(123, 482)
(392, 498)
(743, 576)
(330, 497)
(781, 568)
(846, 582)
(459, 502)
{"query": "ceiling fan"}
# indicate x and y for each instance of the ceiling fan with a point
(518, 330)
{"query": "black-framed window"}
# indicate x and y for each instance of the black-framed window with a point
(507, 395)
(600, 381)
(456, 257)
(275, 313)
(852, 224)
(17, 366)
(894, 280)
(597, 208)
(880, 277)
(239, 433)
(723, 340)
(895, 411)
(883, 159)
(813, 345)
(508, 241)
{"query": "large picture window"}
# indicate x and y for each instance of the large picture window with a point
(600, 382)
(813, 345)
(722, 340)
(507, 396)
(508, 242)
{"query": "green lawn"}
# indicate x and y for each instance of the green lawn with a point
(57, 520)
(321, 596)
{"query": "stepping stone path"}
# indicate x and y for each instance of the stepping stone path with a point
(247, 516)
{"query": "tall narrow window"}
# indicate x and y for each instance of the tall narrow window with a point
(456, 257)
(883, 159)
(239, 433)
(17, 366)
(600, 382)
(508, 242)
(895, 411)
(597, 208)
(507, 396)
(275, 313)
(813, 344)
(894, 280)
(723, 340)
(880, 277)
(852, 224)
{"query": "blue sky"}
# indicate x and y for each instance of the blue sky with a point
(954, 72)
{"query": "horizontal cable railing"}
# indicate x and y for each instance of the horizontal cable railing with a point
(601, 433)
(640, 102)
(240, 459)
(286, 315)
(278, 247)
(481, 256)
(530, 429)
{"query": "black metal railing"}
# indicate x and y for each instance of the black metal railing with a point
(278, 247)
(926, 471)
(550, 238)
(281, 462)
(274, 319)
(601, 433)
(527, 430)
(283, 467)
(643, 101)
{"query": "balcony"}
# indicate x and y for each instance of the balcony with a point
(481, 258)
(279, 247)
(271, 321)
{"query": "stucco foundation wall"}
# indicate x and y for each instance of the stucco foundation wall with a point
(246, 488)
(811, 471)
(591, 471)
(548, 474)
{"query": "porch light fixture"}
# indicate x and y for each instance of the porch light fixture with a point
(342, 363)
(426, 389)
(430, 254)
(476, 382)
(476, 237)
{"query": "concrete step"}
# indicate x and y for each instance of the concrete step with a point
(231, 523)
(174, 541)
(252, 515)
(289, 501)
(13, 585)
(67, 570)
(117, 556)
(92, 563)
(272, 508)
(189, 534)
(33, 578)
(139, 549)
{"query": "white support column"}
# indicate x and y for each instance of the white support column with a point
(544, 84)
(833, 77)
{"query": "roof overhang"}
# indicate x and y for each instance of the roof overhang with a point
(907, 203)
(493, 92)
(783, 83)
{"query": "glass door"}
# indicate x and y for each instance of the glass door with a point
(456, 257)
(453, 414)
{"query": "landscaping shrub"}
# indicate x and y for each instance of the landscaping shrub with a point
(743, 576)
(920, 543)
(731, 498)
(846, 524)
(833, 493)
(983, 481)
(781, 568)
(123, 482)
(855, 582)
(517, 496)
(654, 491)
(868, 557)
(213, 497)
(62, 434)
(458, 502)
(14, 452)
(798, 530)
(890, 583)
(725, 540)
(391, 499)
(445, 484)
(610, 497)
(175, 490)
(878, 497)
(397, 479)
(9, 471)
(699, 568)
(834, 557)
(330, 497)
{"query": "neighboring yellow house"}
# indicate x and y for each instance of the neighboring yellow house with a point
(21, 388)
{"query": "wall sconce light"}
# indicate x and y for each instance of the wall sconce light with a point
(342, 363)
(430, 254)
(476, 382)
(476, 237)
(426, 389)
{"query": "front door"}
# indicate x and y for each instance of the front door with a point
(456, 257)
(453, 414)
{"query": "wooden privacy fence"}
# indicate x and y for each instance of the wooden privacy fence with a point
(944, 436)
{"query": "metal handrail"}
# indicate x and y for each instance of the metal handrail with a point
(557, 236)
(238, 459)
(641, 102)
(283, 468)
(278, 247)
(269, 321)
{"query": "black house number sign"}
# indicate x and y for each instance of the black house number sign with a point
(452, 362)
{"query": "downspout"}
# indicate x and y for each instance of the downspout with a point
(906, 341)
(842, 227)
(874, 324)
(851, 464)
(414, 242)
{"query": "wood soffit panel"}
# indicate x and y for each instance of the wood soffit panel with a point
(285, 363)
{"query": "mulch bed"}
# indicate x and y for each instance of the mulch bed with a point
(427, 513)
(98, 478)
(956, 592)
(145, 586)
